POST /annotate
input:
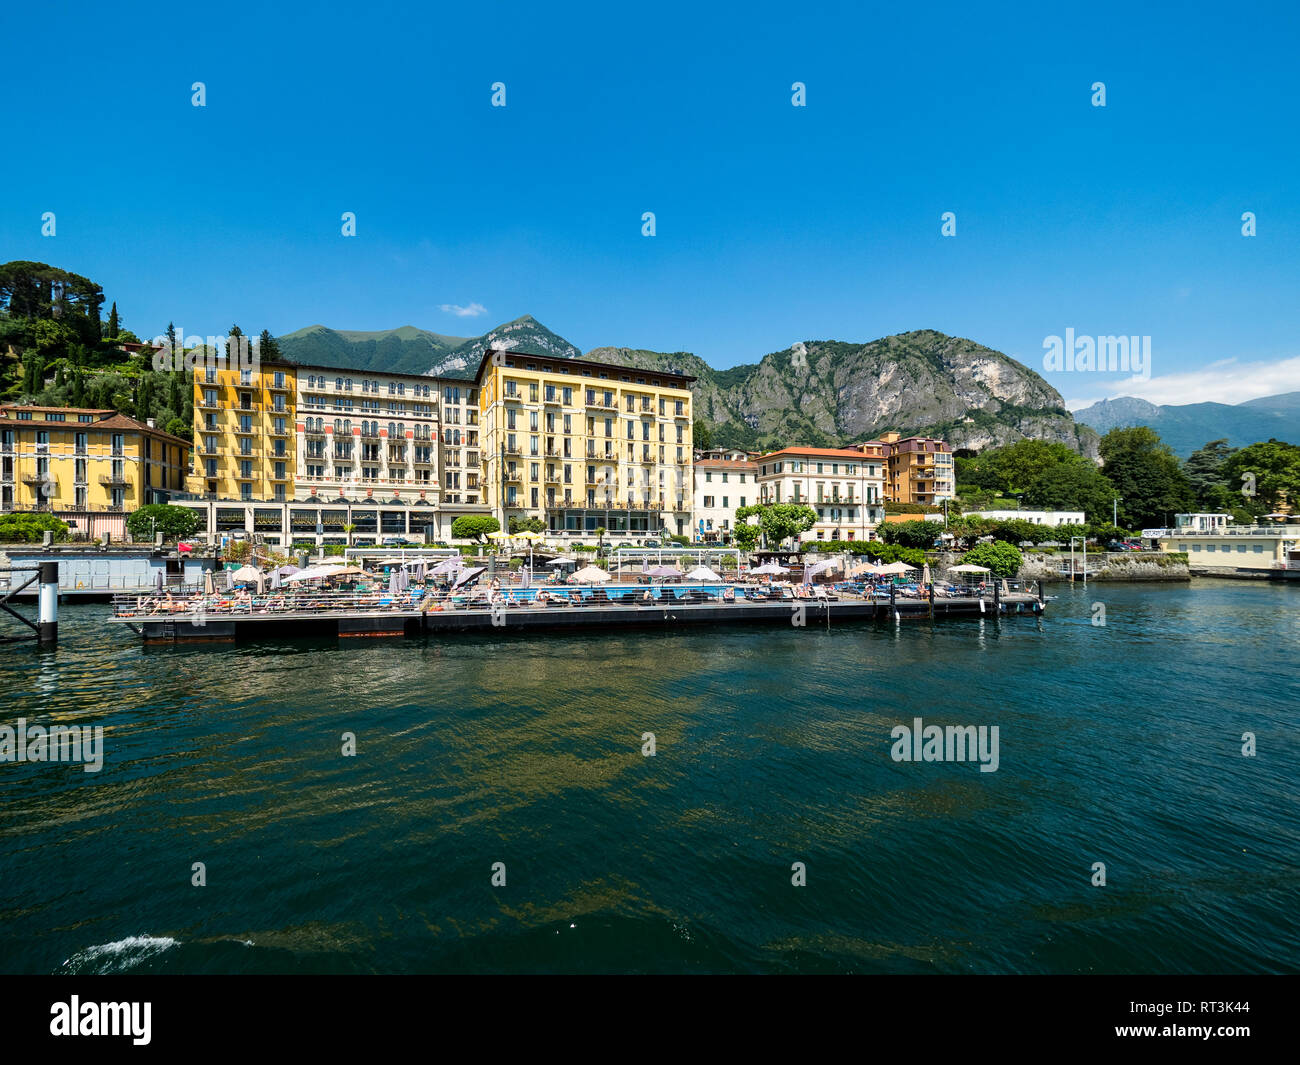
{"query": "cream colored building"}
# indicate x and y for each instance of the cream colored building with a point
(845, 486)
(585, 445)
(722, 485)
(1216, 547)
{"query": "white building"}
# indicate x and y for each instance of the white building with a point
(846, 487)
(1038, 517)
(721, 486)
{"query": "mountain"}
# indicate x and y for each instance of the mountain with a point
(827, 392)
(1188, 426)
(404, 350)
(817, 392)
(526, 335)
(412, 350)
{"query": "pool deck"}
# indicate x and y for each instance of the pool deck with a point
(179, 628)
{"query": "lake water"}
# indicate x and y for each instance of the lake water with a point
(1118, 743)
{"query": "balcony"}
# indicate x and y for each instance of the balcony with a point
(110, 480)
(203, 404)
(552, 400)
(314, 432)
(250, 430)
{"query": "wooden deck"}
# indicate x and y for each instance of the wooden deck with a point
(601, 617)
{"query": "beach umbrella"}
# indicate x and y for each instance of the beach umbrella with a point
(395, 582)
(246, 573)
(468, 575)
(770, 568)
(561, 561)
(591, 575)
(864, 569)
(159, 582)
(208, 587)
(663, 572)
(230, 580)
(925, 574)
(896, 567)
(287, 570)
(968, 568)
(702, 573)
(275, 580)
(448, 565)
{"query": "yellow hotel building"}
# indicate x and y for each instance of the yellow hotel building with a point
(74, 459)
(244, 426)
(585, 445)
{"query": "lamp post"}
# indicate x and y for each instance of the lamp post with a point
(1114, 512)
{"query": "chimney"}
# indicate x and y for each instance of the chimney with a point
(151, 423)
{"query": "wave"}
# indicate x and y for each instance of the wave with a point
(117, 957)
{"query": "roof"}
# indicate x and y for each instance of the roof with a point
(58, 410)
(478, 374)
(817, 452)
(726, 464)
(123, 421)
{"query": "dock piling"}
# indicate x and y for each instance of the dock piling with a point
(47, 615)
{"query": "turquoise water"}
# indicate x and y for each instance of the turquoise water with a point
(1118, 744)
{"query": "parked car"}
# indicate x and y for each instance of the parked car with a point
(396, 541)
(652, 543)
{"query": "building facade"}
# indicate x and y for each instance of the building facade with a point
(722, 485)
(245, 430)
(69, 459)
(844, 485)
(366, 436)
(368, 455)
(584, 446)
(920, 468)
(1216, 547)
(1051, 518)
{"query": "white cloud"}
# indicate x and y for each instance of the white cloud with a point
(1225, 381)
(472, 311)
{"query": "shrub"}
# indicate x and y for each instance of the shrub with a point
(175, 523)
(1002, 558)
(29, 528)
(474, 526)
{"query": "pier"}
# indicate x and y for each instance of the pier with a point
(346, 616)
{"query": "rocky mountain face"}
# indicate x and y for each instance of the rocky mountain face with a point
(412, 350)
(1188, 426)
(826, 392)
(818, 392)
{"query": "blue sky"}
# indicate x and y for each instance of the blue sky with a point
(774, 223)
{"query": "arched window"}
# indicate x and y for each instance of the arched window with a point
(338, 384)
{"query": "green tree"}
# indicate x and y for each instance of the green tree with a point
(1002, 558)
(474, 526)
(921, 534)
(1273, 467)
(175, 523)
(114, 322)
(1146, 476)
(1205, 472)
(268, 348)
(1073, 486)
(701, 435)
(779, 521)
